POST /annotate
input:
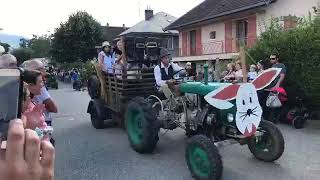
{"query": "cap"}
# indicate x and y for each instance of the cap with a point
(164, 52)
(188, 63)
(105, 43)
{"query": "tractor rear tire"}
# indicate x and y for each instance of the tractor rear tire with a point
(203, 158)
(142, 125)
(270, 146)
(94, 87)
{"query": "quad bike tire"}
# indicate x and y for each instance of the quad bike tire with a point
(270, 146)
(299, 122)
(203, 158)
(142, 125)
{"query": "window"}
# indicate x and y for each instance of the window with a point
(170, 43)
(242, 32)
(192, 43)
(213, 35)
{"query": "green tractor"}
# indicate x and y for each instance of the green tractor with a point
(211, 114)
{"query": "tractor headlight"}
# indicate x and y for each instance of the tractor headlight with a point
(230, 117)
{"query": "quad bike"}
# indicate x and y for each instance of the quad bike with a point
(211, 114)
(77, 85)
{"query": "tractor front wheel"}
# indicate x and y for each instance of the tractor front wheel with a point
(142, 125)
(203, 158)
(270, 145)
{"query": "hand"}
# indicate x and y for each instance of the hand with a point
(21, 159)
(171, 82)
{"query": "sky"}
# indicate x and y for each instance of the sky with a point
(39, 17)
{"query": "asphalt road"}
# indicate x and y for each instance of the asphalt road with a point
(84, 153)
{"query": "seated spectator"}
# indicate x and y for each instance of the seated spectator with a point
(190, 72)
(230, 73)
(238, 73)
(252, 74)
(8, 61)
(260, 66)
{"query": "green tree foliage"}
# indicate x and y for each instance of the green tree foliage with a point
(6, 46)
(40, 45)
(75, 40)
(22, 54)
(299, 50)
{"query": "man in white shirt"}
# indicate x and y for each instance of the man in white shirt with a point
(164, 73)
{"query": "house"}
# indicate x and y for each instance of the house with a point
(111, 32)
(153, 26)
(216, 28)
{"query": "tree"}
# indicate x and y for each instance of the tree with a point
(6, 46)
(22, 54)
(40, 45)
(75, 40)
(24, 43)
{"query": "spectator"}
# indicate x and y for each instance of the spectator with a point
(8, 61)
(200, 73)
(274, 60)
(190, 72)
(252, 74)
(260, 66)
(74, 76)
(238, 73)
(44, 97)
(230, 74)
(32, 112)
(21, 159)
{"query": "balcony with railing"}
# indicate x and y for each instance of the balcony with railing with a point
(212, 47)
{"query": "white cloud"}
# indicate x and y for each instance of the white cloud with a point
(27, 17)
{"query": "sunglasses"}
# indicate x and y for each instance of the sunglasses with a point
(272, 58)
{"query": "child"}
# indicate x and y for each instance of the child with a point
(253, 73)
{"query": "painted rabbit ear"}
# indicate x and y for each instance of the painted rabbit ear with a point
(265, 79)
(219, 98)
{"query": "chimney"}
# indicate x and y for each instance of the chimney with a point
(148, 14)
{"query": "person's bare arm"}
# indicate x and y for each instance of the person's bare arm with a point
(282, 76)
(50, 105)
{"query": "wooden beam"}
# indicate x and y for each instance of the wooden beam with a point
(243, 64)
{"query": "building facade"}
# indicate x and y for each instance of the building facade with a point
(217, 28)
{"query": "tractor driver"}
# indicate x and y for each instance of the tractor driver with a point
(164, 72)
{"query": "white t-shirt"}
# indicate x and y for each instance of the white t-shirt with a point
(39, 99)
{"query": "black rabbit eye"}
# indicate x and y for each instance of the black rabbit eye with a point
(243, 102)
(250, 100)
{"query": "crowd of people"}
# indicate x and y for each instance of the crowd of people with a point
(20, 152)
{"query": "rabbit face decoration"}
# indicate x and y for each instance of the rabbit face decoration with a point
(249, 111)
